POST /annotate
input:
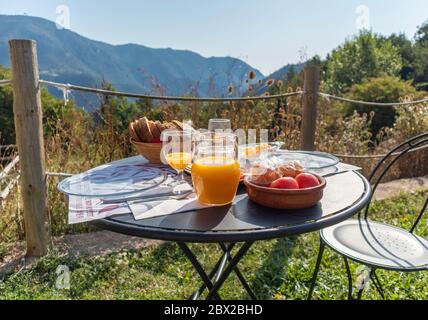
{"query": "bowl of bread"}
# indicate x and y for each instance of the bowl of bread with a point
(146, 137)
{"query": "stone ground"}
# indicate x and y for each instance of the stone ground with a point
(90, 244)
(104, 242)
(393, 188)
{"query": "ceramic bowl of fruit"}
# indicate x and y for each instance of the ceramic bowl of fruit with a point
(294, 190)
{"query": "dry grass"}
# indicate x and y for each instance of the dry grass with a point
(277, 269)
(77, 142)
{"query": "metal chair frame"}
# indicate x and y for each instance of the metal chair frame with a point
(378, 173)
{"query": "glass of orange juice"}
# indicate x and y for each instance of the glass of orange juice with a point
(177, 153)
(216, 170)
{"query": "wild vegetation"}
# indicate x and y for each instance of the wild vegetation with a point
(77, 140)
(366, 67)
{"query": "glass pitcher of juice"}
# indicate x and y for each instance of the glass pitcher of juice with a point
(216, 170)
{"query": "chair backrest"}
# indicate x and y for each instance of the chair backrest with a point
(417, 143)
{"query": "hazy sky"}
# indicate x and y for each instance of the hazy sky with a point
(267, 34)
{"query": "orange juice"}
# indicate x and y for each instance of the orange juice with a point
(216, 180)
(179, 160)
(256, 151)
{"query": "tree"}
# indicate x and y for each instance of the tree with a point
(148, 109)
(314, 61)
(58, 115)
(422, 34)
(420, 64)
(55, 112)
(414, 55)
(116, 112)
(7, 129)
(292, 77)
(383, 89)
(407, 52)
(358, 59)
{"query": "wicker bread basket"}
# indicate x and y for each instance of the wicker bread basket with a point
(150, 151)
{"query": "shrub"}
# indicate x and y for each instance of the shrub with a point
(383, 89)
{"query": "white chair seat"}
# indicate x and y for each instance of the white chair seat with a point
(377, 244)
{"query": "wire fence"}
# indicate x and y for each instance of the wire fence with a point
(58, 174)
(9, 178)
(373, 104)
(376, 156)
(71, 87)
(5, 83)
(10, 146)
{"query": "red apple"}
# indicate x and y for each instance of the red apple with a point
(285, 183)
(307, 180)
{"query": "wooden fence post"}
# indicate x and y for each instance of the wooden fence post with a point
(27, 109)
(310, 102)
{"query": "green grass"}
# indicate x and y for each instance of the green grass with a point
(279, 269)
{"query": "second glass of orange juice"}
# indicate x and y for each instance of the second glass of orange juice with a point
(177, 153)
(216, 171)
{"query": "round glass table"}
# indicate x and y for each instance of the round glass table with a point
(244, 223)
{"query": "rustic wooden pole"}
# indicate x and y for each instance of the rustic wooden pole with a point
(27, 109)
(310, 102)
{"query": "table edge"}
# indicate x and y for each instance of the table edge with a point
(237, 236)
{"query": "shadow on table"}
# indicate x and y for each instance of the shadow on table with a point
(271, 275)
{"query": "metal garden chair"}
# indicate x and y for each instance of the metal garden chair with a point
(377, 245)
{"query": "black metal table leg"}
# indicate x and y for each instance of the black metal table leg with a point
(220, 272)
(317, 268)
(200, 270)
(231, 266)
(216, 270)
(239, 273)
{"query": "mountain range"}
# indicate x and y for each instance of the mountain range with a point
(65, 56)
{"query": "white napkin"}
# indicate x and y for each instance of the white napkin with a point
(81, 209)
(340, 168)
(148, 210)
